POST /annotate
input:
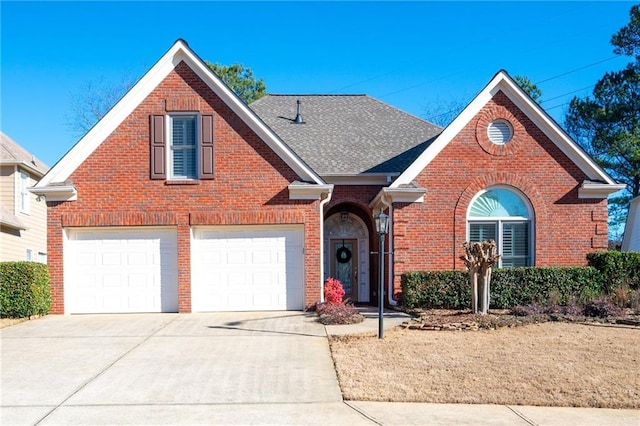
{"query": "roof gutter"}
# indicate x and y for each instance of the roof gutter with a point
(64, 192)
(403, 194)
(308, 191)
(13, 223)
(27, 165)
(590, 190)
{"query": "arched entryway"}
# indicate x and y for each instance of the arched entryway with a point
(346, 256)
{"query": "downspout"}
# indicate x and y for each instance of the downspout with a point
(390, 298)
(326, 197)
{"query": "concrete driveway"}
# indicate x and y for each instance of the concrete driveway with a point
(231, 368)
(267, 368)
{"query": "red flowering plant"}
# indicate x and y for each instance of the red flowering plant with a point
(333, 291)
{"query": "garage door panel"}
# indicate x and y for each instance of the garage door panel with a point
(121, 270)
(247, 268)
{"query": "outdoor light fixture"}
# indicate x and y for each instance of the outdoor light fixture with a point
(382, 223)
(344, 215)
(382, 227)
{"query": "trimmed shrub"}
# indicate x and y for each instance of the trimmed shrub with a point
(438, 289)
(617, 269)
(338, 313)
(634, 301)
(557, 285)
(527, 310)
(510, 287)
(24, 289)
(602, 308)
(333, 291)
(536, 309)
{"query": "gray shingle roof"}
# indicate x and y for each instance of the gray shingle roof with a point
(12, 153)
(7, 218)
(347, 134)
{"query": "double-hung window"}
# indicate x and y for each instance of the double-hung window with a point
(502, 215)
(22, 192)
(182, 147)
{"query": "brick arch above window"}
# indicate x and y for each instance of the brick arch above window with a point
(525, 187)
(491, 114)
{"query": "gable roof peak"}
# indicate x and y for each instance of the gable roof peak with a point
(12, 153)
(179, 52)
(503, 82)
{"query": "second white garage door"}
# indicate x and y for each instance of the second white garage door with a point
(247, 268)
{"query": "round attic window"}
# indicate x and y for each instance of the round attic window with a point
(500, 132)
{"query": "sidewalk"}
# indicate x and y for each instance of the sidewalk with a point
(391, 318)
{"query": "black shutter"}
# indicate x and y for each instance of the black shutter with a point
(158, 147)
(206, 147)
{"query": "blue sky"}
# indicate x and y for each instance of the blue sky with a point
(415, 56)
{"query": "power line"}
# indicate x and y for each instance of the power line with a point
(539, 82)
(557, 106)
(363, 81)
(420, 84)
(568, 93)
(577, 69)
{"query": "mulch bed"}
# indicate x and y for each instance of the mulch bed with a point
(453, 320)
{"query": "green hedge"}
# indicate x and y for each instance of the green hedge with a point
(521, 286)
(24, 289)
(438, 289)
(509, 287)
(617, 269)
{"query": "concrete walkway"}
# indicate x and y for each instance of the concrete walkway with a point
(222, 368)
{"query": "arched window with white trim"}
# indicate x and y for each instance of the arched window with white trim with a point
(502, 214)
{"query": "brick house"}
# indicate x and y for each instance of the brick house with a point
(184, 199)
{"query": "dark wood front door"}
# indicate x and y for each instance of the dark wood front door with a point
(344, 266)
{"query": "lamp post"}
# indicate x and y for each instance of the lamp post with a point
(382, 227)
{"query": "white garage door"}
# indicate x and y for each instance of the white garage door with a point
(109, 270)
(247, 268)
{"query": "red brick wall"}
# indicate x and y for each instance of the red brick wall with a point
(250, 186)
(429, 236)
(354, 199)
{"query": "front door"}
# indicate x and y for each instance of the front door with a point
(344, 266)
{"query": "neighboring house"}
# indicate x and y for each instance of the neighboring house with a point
(631, 239)
(23, 219)
(182, 198)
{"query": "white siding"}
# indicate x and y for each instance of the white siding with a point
(14, 243)
(631, 240)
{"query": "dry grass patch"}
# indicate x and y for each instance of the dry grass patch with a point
(8, 322)
(549, 364)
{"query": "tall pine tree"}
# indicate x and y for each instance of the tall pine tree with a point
(607, 124)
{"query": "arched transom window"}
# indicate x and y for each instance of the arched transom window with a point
(503, 215)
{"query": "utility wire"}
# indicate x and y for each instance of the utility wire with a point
(577, 69)
(557, 106)
(420, 84)
(363, 81)
(568, 93)
(539, 82)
